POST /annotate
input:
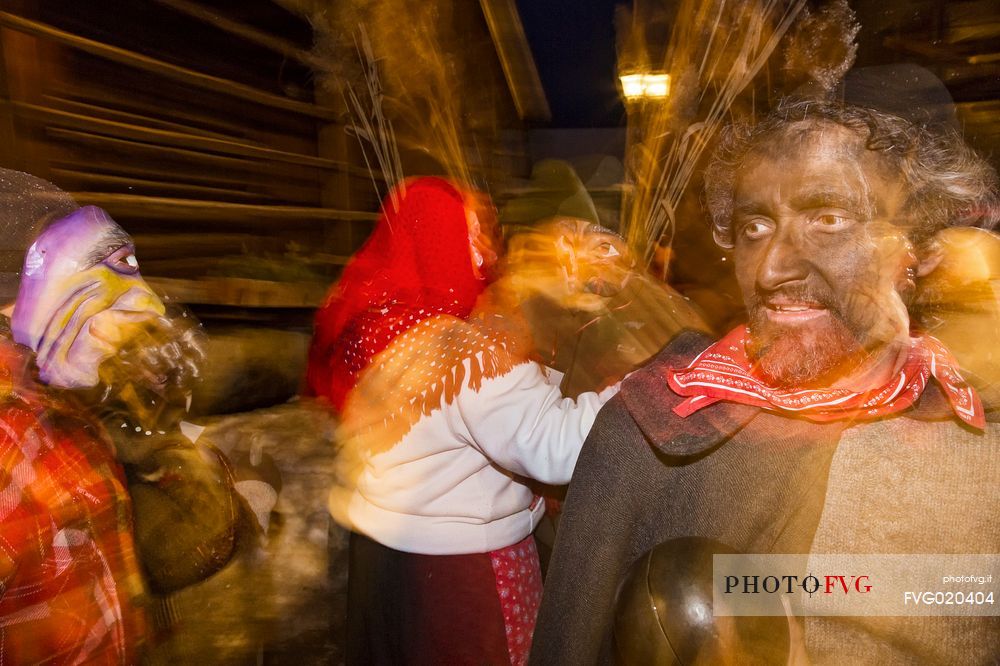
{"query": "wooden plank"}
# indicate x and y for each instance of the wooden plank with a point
(240, 292)
(243, 31)
(158, 152)
(170, 138)
(162, 208)
(123, 170)
(923, 47)
(973, 11)
(334, 259)
(183, 189)
(109, 99)
(26, 62)
(273, 129)
(979, 119)
(152, 65)
(985, 77)
(207, 265)
(286, 189)
(163, 152)
(974, 33)
(983, 58)
(191, 267)
(108, 84)
(187, 245)
(984, 110)
(9, 149)
(96, 111)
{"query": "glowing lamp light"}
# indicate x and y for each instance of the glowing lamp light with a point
(632, 85)
(657, 85)
(645, 86)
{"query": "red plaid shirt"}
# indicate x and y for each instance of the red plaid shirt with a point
(69, 578)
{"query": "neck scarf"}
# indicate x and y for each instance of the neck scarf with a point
(724, 372)
(416, 264)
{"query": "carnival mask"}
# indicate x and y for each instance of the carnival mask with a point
(577, 264)
(81, 298)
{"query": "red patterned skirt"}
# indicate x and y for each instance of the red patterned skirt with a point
(405, 608)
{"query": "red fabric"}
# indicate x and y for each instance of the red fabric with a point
(69, 579)
(519, 586)
(724, 372)
(407, 608)
(417, 263)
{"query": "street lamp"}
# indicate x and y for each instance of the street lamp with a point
(650, 85)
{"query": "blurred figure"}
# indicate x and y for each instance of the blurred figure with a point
(959, 303)
(442, 415)
(87, 335)
(593, 315)
(554, 190)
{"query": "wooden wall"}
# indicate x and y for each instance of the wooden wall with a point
(197, 125)
(197, 129)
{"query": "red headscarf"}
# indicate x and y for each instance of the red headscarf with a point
(416, 264)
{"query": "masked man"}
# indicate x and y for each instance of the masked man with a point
(594, 316)
(829, 423)
(85, 330)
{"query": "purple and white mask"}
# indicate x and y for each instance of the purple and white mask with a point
(81, 298)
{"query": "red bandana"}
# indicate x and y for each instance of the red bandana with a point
(723, 372)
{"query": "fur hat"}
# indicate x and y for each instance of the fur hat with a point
(26, 204)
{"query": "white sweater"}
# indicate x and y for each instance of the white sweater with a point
(450, 486)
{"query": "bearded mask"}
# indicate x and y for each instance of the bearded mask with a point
(92, 320)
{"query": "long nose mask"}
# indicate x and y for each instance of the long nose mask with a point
(81, 297)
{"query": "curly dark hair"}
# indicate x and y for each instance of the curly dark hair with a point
(948, 183)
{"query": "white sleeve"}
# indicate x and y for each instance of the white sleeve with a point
(522, 422)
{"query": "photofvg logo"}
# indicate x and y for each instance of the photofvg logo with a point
(856, 585)
(810, 584)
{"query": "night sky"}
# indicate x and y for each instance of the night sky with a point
(573, 42)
